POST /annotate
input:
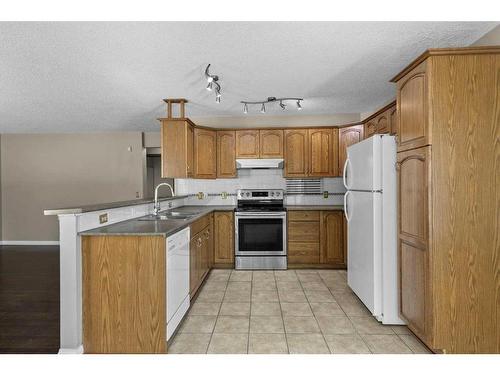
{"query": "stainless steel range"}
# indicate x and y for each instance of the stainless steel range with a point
(260, 230)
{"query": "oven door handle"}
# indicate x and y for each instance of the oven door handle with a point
(260, 216)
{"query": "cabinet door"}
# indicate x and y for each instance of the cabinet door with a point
(296, 153)
(383, 123)
(247, 144)
(189, 150)
(321, 153)
(413, 239)
(413, 129)
(223, 237)
(393, 119)
(271, 144)
(211, 242)
(194, 263)
(205, 151)
(176, 149)
(348, 136)
(226, 154)
(332, 238)
(205, 250)
(370, 128)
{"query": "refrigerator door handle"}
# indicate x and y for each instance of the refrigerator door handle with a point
(344, 173)
(346, 210)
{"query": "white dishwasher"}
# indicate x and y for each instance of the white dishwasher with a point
(177, 279)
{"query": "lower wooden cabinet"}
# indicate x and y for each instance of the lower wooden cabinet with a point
(200, 250)
(316, 239)
(223, 239)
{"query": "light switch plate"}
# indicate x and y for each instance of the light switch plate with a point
(103, 218)
(200, 195)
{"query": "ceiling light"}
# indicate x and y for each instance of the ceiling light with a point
(212, 81)
(217, 93)
(299, 107)
(283, 106)
(263, 108)
(271, 99)
(245, 108)
(209, 86)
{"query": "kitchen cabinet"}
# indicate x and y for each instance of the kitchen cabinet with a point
(247, 144)
(296, 153)
(226, 154)
(370, 128)
(224, 239)
(271, 144)
(200, 248)
(383, 123)
(348, 136)
(393, 120)
(177, 148)
(447, 114)
(332, 238)
(323, 152)
(205, 153)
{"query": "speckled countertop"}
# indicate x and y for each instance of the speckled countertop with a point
(332, 207)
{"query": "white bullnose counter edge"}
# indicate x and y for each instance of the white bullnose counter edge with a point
(70, 257)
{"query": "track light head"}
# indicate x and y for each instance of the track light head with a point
(209, 86)
(217, 99)
(299, 107)
(245, 108)
(283, 106)
(263, 108)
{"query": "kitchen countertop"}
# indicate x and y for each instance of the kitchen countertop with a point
(137, 227)
(332, 207)
(105, 206)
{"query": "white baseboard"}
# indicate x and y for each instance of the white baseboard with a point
(29, 243)
(77, 350)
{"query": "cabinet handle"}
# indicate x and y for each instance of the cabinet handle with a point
(207, 234)
(199, 242)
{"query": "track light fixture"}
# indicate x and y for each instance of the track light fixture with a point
(272, 99)
(213, 84)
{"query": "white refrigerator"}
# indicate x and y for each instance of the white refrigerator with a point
(370, 207)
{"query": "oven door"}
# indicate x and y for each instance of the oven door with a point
(260, 234)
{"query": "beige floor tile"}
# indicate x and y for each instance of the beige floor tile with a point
(238, 285)
(288, 275)
(218, 276)
(266, 324)
(326, 309)
(210, 296)
(306, 271)
(351, 305)
(237, 296)
(325, 274)
(386, 344)
(301, 324)
(264, 296)
(290, 284)
(261, 284)
(224, 343)
(311, 343)
(296, 309)
(414, 344)
(241, 276)
(370, 326)
(263, 275)
(232, 324)
(314, 285)
(235, 308)
(346, 344)
(309, 277)
(205, 308)
(267, 343)
(319, 296)
(338, 286)
(189, 343)
(198, 324)
(215, 285)
(331, 325)
(266, 309)
(221, 271)
(401, 330)
(292, 295)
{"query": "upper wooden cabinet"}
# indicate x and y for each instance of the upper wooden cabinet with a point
(296, 153)
(383, 123)
(247, 144)
(348, 136)
(412, 91)
(370, 128)
(205, 153)
(271, 144)
(393, 119)
(226, 154)
(323, 152)
(177, 148)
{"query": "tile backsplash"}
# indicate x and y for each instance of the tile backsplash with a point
(253, 179)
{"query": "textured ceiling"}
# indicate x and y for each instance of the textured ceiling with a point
(64, 77)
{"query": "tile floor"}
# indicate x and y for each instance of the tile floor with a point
(281, 312)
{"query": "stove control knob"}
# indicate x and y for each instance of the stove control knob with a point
(272, 193)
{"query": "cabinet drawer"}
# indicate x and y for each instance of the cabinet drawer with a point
(303, 215)
(199, 225)
(303, 231)
(303, 252)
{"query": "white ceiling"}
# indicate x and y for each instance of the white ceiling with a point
(65, 77)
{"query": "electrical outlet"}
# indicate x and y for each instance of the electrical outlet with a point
(169, 204)
(325, 194)
(200, 195)
(224, 195)
(103, 218)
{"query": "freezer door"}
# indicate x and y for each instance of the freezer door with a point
(363, 169)
(363, 211)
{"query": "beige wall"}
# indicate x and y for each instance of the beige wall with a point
(491, 38)
(40, 171)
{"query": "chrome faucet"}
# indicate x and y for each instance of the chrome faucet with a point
(156, 206)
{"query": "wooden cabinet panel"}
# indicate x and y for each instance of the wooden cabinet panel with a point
(271, 144)
(189, 150)
(348, 136)
(303, 253)
(247, 144)
(296, 153)
(412, 110)
(195, 251)
(383, 125)
(303, 215)
(321, 153)
(176, 149)
(123, 290)
(205, 153)
(370, 128)
(226, 154)
(332, 238)
(303, 231)
(223, 238)
(393, 119)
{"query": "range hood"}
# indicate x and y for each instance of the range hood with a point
(259, 163)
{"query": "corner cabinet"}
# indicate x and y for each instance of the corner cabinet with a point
(226, 154)
(348, 136)
(205, 153)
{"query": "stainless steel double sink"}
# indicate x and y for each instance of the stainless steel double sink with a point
(169, 215)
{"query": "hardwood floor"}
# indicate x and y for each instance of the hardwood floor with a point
(29, 299)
